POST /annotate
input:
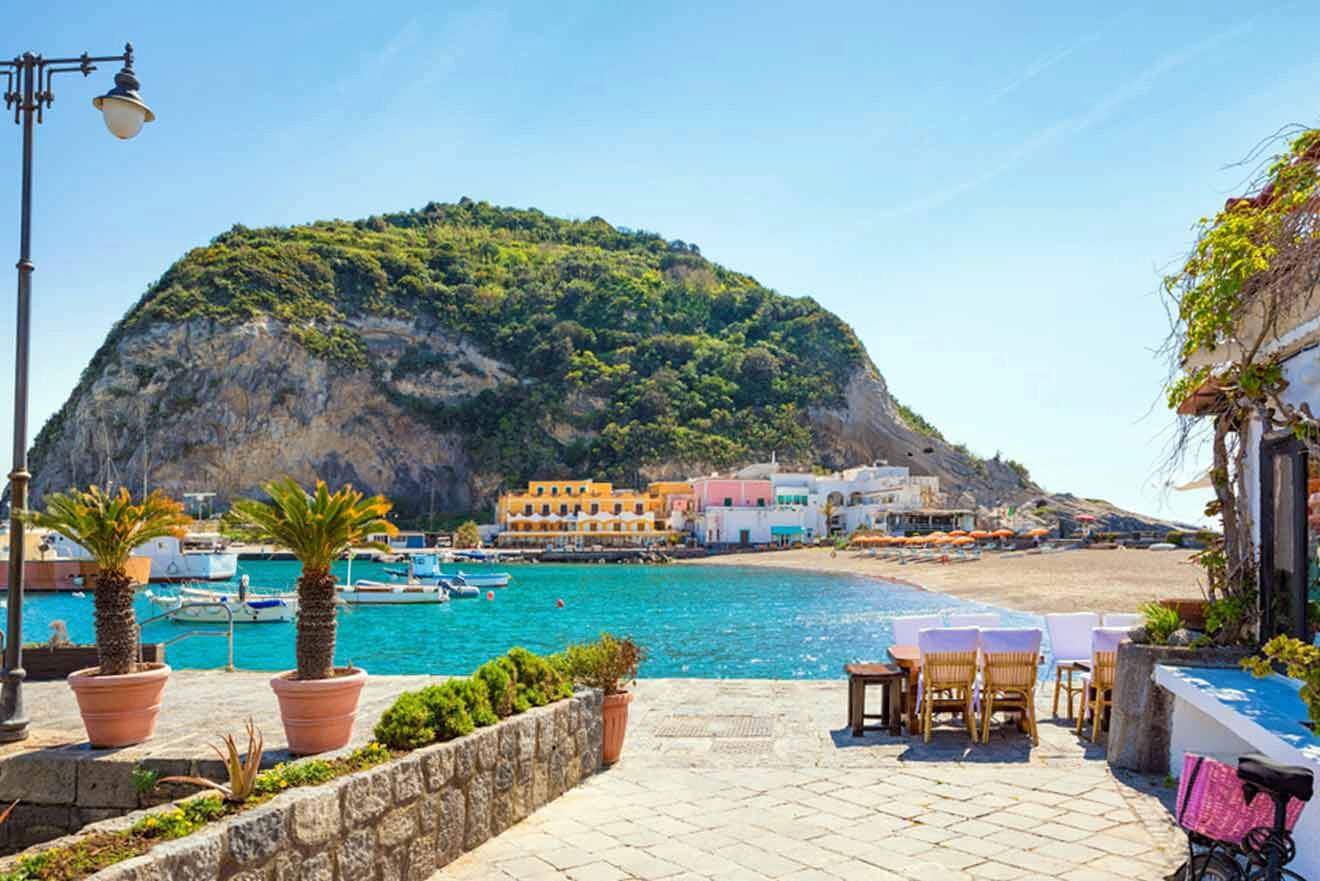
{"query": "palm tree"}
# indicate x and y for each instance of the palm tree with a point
(317, 529)
(110, 527)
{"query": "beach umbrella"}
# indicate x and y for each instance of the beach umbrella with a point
(1003, 533)
(979, 533)
(958, 533)
(964, 540)
(1037, 532)
(1084, 518)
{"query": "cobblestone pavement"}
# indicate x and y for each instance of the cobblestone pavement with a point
(746, 780)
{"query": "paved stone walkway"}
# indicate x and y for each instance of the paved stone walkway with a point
(751, 780)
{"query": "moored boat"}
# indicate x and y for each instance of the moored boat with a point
(484, 579)
(195, 606)
(368, 593)
(458, 590)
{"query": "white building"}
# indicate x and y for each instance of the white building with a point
(856, 498)
(778, 525)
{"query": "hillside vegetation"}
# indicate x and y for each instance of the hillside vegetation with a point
(643, 349)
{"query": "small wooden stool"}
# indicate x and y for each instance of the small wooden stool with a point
(892, 681)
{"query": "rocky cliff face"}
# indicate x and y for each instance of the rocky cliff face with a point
(438, 356)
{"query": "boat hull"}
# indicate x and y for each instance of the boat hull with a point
(379, 594)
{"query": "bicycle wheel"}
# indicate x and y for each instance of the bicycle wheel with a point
(1261, 874)
(1209, 867)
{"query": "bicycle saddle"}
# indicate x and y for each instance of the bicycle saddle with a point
(1256, 770)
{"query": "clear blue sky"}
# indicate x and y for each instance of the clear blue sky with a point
(987, 196)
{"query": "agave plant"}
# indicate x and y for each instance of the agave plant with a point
(110, 527)
(242, 772)
(317, 528)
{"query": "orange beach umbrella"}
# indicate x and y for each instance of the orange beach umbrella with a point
(1003, 533)
(979, 533)
(1037, 532)
(957, 533)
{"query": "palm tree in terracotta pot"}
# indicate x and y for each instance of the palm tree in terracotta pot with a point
(610, 664)
(119, 698)
(318, 701)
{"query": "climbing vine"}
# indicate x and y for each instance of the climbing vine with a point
(1252, 264)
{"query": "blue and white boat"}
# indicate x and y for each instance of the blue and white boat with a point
(458, 590)
(199, 606)
(483, 579)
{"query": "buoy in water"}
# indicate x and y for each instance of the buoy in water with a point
(559, 603)
(490, 594)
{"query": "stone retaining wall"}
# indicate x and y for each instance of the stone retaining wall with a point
(396, 822)
(1139, 723)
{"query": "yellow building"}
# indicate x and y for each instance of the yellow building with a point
(582, 513)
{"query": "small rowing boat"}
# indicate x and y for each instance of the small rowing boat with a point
(379, 593)
(483, 579)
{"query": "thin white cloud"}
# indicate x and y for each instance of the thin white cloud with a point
(1071, 126)
(1038, 67)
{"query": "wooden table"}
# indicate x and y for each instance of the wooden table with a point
(891, 679)
(908, 659)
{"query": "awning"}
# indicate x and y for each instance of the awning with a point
(785, 530)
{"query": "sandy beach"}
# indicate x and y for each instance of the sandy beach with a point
(1099, 580)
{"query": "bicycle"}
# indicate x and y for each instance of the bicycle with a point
(1231, 835)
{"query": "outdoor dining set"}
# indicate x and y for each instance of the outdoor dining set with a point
(969, 665)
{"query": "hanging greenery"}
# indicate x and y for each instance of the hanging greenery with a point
(1252, 265)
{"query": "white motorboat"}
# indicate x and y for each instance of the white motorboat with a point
(197, 557)
(484, 579)
(369, 593)
(205, 607)
(425, 565)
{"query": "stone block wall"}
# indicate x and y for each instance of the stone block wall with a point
(396, 822)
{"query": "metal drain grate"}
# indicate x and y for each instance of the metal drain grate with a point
(760, 747)
(716, 726)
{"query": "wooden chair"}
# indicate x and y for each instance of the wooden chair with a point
(1008, 676)
(948, 675)
(1098, 685)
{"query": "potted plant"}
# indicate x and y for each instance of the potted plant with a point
(318, 701)
(1301, 661)
(119, 698)
(610, 664)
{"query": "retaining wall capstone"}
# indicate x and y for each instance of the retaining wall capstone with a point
(399, 821)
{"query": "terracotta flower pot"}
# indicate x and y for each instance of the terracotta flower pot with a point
(119, 710)
(318, 714)
(1191, 611)
(615, 713)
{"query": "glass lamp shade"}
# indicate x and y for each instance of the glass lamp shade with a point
(123, 115)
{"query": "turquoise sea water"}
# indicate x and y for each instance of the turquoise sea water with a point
(696, 621)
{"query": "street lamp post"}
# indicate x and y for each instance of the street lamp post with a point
(27, 81)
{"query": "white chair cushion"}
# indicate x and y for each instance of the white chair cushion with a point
(1070, 633)
(1001, 640)
(907, 627)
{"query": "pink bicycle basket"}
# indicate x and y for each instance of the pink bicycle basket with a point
(1211, 802)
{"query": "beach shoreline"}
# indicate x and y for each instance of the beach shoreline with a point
(1118, 580)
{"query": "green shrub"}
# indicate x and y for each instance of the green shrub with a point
(499, 676)
(477, 699)
(406, 724)
(538, 682)
(610, 663)
(449, 713)
(1161, 622)
(1229, 611)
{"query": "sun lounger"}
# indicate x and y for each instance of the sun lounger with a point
(948, 675)
(1070, 641)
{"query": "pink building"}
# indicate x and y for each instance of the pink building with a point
(719, 492)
